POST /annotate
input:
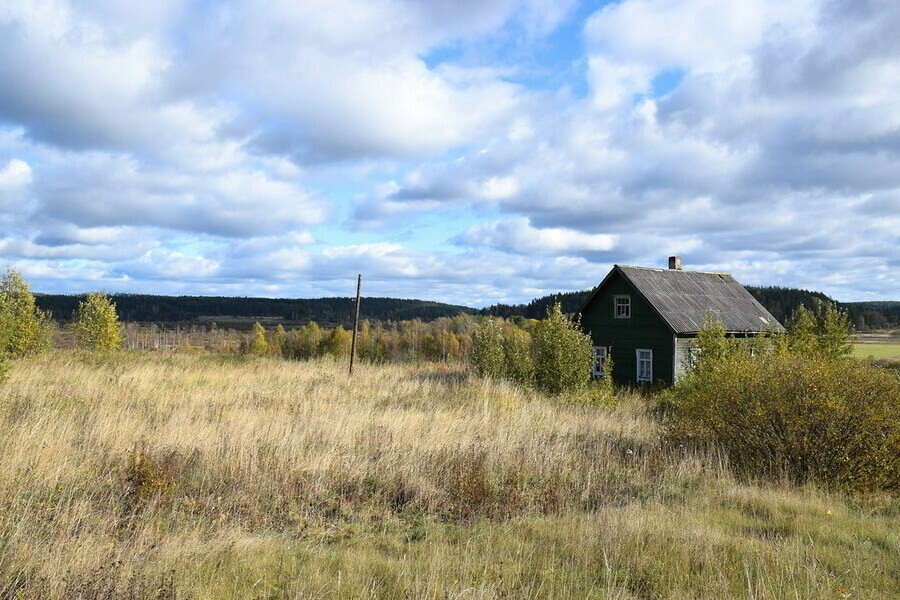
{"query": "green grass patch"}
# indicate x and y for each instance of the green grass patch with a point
(877, 351)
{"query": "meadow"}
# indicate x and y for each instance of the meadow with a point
(167, 475)
(876, 350)
(880, 347)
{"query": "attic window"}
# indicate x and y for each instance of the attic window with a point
(622, 307)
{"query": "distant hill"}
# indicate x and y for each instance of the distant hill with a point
(242, 312)
(782, 302)
(779, 301)
(865, 316)
(874, 315)
(537, 308)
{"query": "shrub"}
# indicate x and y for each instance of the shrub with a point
(712, 345)
(26, 329)
(822, 331)
(339, 342)
(430, 349)
(372, 349)
(277, 340)
(256, 344)
(606, 383)
(5, 325)
(487, 349)
(304, 343)
(95, 324)
(147, 476)
(804, 416)
(518, 355)
(562, 353)
(4, 365)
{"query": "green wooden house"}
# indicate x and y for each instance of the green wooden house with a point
(647, 319)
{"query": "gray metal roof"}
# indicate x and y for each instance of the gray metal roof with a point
(684, 298)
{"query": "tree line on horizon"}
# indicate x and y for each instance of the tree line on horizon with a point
(147, 308)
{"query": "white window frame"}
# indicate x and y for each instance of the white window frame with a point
(626, 305)
(647, 358)
(599, 357)
(694, 356)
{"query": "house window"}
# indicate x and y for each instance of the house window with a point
(644, 365)
(623, 307)
(693, 357)
(599, 361)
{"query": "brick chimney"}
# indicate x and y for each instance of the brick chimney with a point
(675, 263)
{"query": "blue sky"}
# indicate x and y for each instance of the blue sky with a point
(468, 152)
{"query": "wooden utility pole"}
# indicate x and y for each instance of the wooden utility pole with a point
(355, 323)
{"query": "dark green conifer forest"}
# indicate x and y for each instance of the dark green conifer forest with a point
(242, 312)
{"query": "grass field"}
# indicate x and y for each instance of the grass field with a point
(877, 351)
(884, 344)
(178, 476)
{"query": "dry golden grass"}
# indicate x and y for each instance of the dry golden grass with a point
(147, 476)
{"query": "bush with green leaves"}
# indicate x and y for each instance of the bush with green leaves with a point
(563, 354)
(823, 331)
(95, 323)
(430, 350)
(371, 348)
(606, 382)
(339, 343)
(26, 329)
(787, 411)
(277, 340)
(304, 343)
(4, 357)
(518, 355)
(255, 344)
(487, 355)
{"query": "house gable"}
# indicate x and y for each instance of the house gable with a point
(644, 329)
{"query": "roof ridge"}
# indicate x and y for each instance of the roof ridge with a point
(673, 270)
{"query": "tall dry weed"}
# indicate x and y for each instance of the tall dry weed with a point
(205, 477)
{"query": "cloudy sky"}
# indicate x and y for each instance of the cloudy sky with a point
(469, 151)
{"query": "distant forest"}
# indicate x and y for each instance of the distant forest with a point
(242, 312)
